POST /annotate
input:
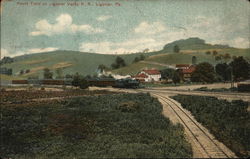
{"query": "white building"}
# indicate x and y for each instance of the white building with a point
(151, 75)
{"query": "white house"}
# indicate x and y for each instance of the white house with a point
(151, 75)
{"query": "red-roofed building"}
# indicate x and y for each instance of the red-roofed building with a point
(141, 77)
(182, 66)
(152, 75)
(186, 70)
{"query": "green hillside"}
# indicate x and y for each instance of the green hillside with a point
(184, 57)
(70, 61)
(87, 63)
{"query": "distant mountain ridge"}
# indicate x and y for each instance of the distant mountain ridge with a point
(193, 43)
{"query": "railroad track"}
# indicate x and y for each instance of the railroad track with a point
(208, 146)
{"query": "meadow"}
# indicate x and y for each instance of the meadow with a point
(103, 126)
(228, 121)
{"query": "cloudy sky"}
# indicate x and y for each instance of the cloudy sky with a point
(125, 26)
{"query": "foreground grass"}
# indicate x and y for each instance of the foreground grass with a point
(122, 125)
(228, 121)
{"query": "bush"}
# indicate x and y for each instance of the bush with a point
(228, 121)
(92, 127)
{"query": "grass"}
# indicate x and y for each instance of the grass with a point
(228, 121)
(184, 57)
(8, 78)
(70, 61)
(108, 126)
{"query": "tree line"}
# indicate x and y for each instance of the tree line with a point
(236, 70)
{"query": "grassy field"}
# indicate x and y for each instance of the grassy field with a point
(107, 126)
(229, 122)
(69, 61)
(184, 57)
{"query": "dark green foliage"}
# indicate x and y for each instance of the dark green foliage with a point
(136, 60)
(228, 121)
(6, 60)
(208, 52)
(102, 67)
(204, 72)
(83, 84)
(79, 81)
(140, 58)
(47, 74)
(59, 73)
(241, 69)
(224, 71)
(109, 126)
(76, 80)
(119, 62)
(176, 49)
(167, 73)
(177, 76)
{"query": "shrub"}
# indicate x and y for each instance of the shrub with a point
(228, 121)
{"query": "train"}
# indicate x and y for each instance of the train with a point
(98, 82)
(116, 83)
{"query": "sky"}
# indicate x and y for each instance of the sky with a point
(119, 26)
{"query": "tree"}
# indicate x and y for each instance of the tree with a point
(76, 80)
(208, 52)
(68, 76)
(136, 60)
(218, 58)
(215, 53)
(194, 60)
(176, 77)
(47, 74)
(167, 73)
(176, 49)
(6, 60)
(102, 67)
(119, 62)
(59, 73)
(142, 57)
(204, 72)
(223, 70)
(21, 72)
(79, 81)
(240, 68)
(83, 84)
(226, 57)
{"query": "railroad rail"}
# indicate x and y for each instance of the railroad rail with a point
(207, 144)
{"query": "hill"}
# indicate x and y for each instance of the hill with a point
(192, 44)
(169, 59)
(87, 63)
(70, 61)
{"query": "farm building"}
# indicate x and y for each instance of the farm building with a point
(149, 75)
(186, 70)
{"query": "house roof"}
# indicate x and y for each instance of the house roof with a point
(191, 69)
(152, 72)
(141, 75)
(182, 65)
